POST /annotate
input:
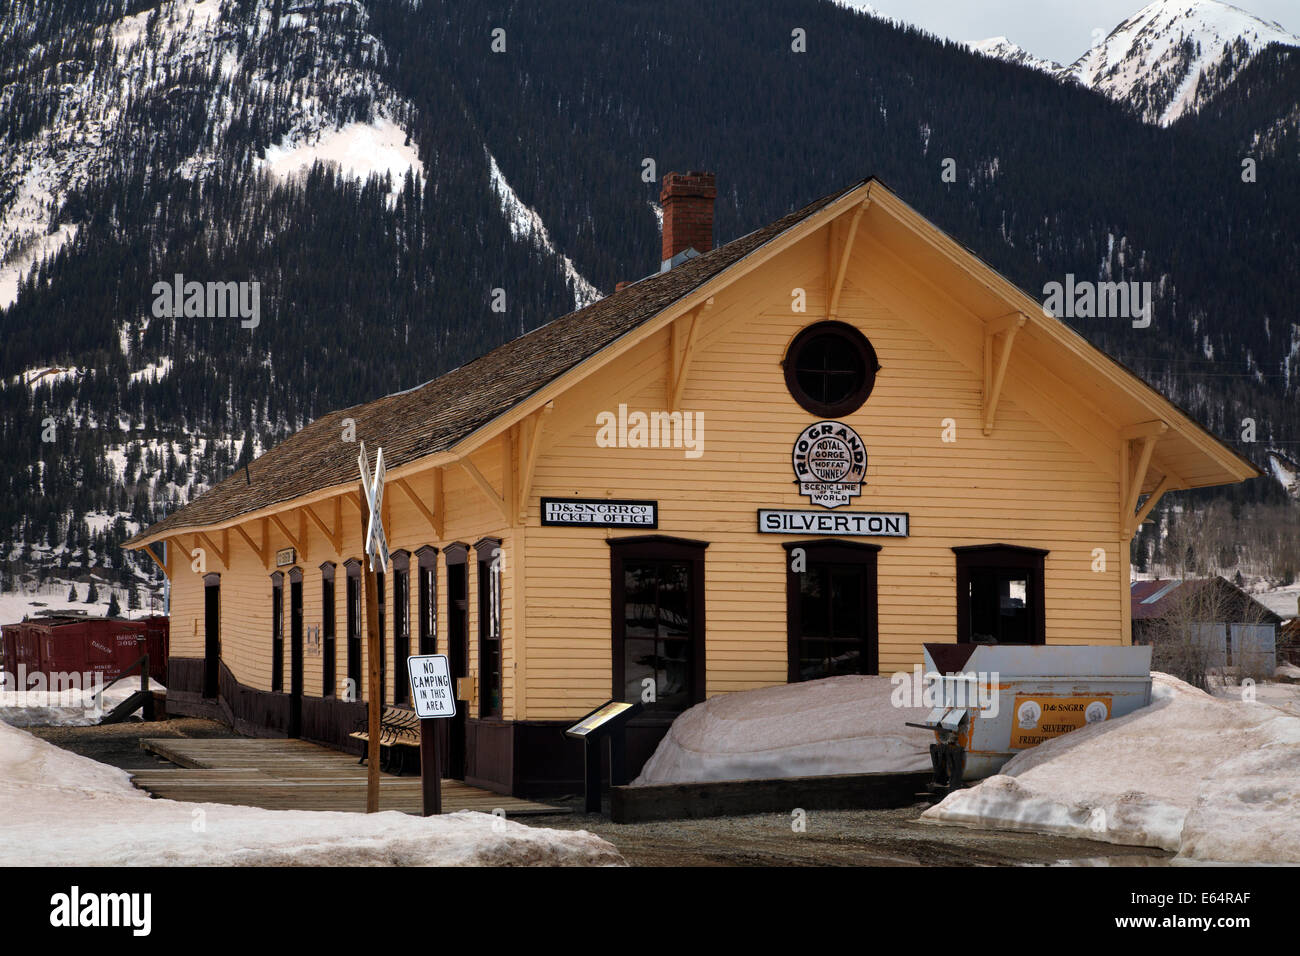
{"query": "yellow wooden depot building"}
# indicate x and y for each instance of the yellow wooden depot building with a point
(805, 452)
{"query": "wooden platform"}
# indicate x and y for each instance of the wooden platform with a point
(296, 775)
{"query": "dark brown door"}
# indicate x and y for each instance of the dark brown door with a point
(295, 655)
(657, 589)
(831, 609)
(211, 636)
(658, 634)
(458, 663)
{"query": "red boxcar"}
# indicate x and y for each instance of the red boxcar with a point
(95, 645)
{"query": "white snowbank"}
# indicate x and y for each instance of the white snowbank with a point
(63, 809)
(1206, 777)
(814, 728)
(65, 708)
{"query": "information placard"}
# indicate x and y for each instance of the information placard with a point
(432, 691)
(598, 718)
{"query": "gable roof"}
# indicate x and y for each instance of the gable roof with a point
(1155, 599)
(435, 416)
(443, 415)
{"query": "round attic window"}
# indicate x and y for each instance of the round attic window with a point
(830, 369)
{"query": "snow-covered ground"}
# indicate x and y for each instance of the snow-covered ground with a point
(48, 375)
(1280, 693)
(1286, 472)
(15, 605)
(1209, 778)
(1282, 601)
(38, 247)
(360, 150)
(62, 809)
(829, 726)
(65, 708)
(154, 371)
(527, 226)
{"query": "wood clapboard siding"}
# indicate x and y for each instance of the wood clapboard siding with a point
(1025, 484)
(1047, 477)
(246, 585)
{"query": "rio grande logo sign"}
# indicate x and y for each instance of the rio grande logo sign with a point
(830, 463)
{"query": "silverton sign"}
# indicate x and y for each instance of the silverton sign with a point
(852, 523)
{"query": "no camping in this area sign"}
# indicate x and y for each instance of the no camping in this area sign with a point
(432, 691)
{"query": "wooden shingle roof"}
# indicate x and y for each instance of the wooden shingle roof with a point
(435, 416)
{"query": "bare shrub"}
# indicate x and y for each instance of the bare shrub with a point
(1193, 639)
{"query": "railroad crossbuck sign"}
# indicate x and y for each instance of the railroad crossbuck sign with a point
(432, 690)
(376, 543)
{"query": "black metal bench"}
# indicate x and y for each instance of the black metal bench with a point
(399, 732)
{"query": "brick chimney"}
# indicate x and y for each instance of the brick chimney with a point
(687, 200)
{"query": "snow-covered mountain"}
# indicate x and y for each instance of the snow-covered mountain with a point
(1173, 55)
(1000, 48)
(232, 56)
(1169, 58)
(201, 94)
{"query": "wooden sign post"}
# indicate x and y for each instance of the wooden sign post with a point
(372, 493)
(372, 690)
(434, 696)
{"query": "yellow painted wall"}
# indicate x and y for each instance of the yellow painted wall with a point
(1023, 485)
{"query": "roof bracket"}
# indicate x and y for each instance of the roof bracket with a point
(432, 515)
(680, 355)
(1133, 474)
(837, 265)
(528, 450)
(485, 486)
(995, 369)
(166, 566)
(263, 553)
(335, 535)
(299, 540)
(223, 552)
